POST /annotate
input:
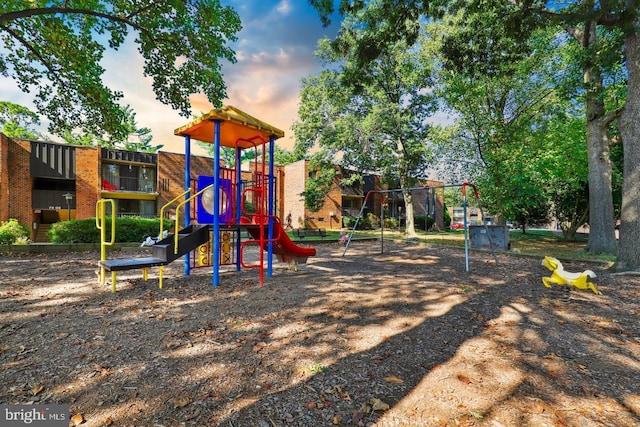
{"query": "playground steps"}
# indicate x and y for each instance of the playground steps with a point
(41, 234)
(162, 253)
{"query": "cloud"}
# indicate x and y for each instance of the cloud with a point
(274, 52)
(284, 7)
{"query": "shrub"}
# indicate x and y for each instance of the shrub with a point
(447, 217)
(11, 231)
(128, 230)
(363, 224)
(423, 222)
(374, 220)
(391, 222)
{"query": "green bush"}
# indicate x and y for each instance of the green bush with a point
(447, 217)
(12, 230)
(374, 220)
(391, 223)
(363, 224)
(128, 230)
(423, 222)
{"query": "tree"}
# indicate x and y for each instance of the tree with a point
(530, 144)
(281, 155)
(629, 250)
(136, 139)
(373, 117)
(581, 14)
(17, 121)
(55, 48)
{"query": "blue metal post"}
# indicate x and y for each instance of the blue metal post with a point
(216, 205)
(187, 206)
(272, 187)
(238, 205)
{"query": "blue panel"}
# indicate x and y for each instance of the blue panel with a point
(205, 201)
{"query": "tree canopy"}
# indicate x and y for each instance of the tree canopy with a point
(136, 139)
(585, 20)
(54, 49)
(372, 118)
(17, 121)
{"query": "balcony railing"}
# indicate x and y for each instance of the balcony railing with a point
(128, 184)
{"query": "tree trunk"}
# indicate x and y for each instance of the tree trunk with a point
(403, 170)
(410, 228)
(629, 125)
(602, 238)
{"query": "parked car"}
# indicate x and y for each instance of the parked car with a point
(457, 225)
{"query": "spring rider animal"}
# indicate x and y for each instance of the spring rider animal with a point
(561, 277)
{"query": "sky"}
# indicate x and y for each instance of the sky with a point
(274, 51)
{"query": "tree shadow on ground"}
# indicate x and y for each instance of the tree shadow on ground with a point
(329, 345)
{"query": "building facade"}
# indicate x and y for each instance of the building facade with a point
(45, 182)
(35, 177)
(347, 200)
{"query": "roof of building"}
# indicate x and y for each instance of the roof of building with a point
(236, 128)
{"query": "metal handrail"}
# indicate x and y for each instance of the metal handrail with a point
(169, 203)
(175, 247)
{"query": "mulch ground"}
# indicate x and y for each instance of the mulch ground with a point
(404, 338)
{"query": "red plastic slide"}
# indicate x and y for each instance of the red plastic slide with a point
(282, 246)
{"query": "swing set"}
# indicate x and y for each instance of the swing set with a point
(431, 195)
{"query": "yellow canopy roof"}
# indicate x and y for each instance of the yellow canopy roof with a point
(235, 126)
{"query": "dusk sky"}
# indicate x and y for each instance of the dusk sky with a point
(274, 51)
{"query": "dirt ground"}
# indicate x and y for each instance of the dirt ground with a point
(404, 338)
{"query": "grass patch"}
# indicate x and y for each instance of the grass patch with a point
(532, 242)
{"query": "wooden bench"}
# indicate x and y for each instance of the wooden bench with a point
(304, 232)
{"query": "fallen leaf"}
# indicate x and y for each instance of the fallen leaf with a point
(108, 421)
(378, 405)
(311, 405)
(393, 379)
(180, 402)
(258, 347)
(464, 379)
(36, 389)
(77, 419)
(337, 420)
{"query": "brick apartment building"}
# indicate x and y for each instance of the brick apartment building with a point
(344, 201)
(35, 176)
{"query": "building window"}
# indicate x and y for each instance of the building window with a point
(128, 178)
(141, 208)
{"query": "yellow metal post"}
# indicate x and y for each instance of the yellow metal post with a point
(101, 216)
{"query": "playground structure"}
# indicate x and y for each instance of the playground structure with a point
(430, 195)
(561, 277)
(216, 209)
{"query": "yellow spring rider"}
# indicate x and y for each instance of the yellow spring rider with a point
(561, 277)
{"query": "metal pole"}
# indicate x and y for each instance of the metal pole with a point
(382, 225)
(187, 207)
(464, 226)
(270, 207)
(215, 280)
